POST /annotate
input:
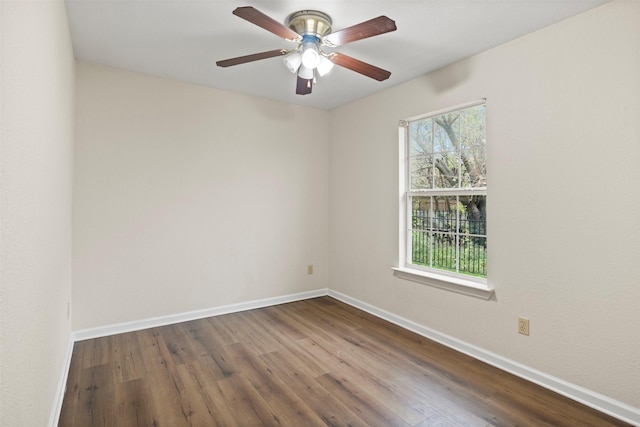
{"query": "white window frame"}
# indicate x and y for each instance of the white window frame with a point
(460, 283)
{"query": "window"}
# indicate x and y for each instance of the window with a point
(443, 206)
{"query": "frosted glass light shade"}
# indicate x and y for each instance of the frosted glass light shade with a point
(310, 55)
(305, 72)
(324, 66)
(293, 61)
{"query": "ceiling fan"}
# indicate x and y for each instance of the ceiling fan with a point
(311, 30)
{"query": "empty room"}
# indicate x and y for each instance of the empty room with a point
(412, 213)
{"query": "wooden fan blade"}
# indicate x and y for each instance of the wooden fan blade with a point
(370, 28)
(258, 18)
(304, 86)
(359, 66)
(251, 58)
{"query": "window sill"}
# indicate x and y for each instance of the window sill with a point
(453, 284)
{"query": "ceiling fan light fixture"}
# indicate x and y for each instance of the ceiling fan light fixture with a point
(324, 66)
(310, 55)
(305, 72)
(311, 29)
(293, 61)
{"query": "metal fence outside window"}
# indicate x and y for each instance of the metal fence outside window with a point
(439, 241)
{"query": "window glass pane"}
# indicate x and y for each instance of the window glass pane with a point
(421, 137)
(473, 256)
(474, 167)
(472, 127)
(421, 242)
(420, 234)
(446, 166)
(444, 251)
(444, 226)
(446, 133)
(421, 213)
(444, 216)
(473, 215)
(421, 154)
(421, 172)
(473, 242)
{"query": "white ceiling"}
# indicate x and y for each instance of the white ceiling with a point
(182, 39)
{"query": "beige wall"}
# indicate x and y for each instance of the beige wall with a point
(564, 228)
(37, 88)
(189, 198)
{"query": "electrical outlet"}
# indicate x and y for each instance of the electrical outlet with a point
(310, 269)
(523, 326)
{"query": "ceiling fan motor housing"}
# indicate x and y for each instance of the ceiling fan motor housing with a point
(310, 23)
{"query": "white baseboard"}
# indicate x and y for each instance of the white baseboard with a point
(62, 385)
(587, 397)
(580, 394)
(153, 322)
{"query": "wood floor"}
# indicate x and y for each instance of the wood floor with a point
(309, 363)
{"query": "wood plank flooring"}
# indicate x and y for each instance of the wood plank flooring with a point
(309, 363)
